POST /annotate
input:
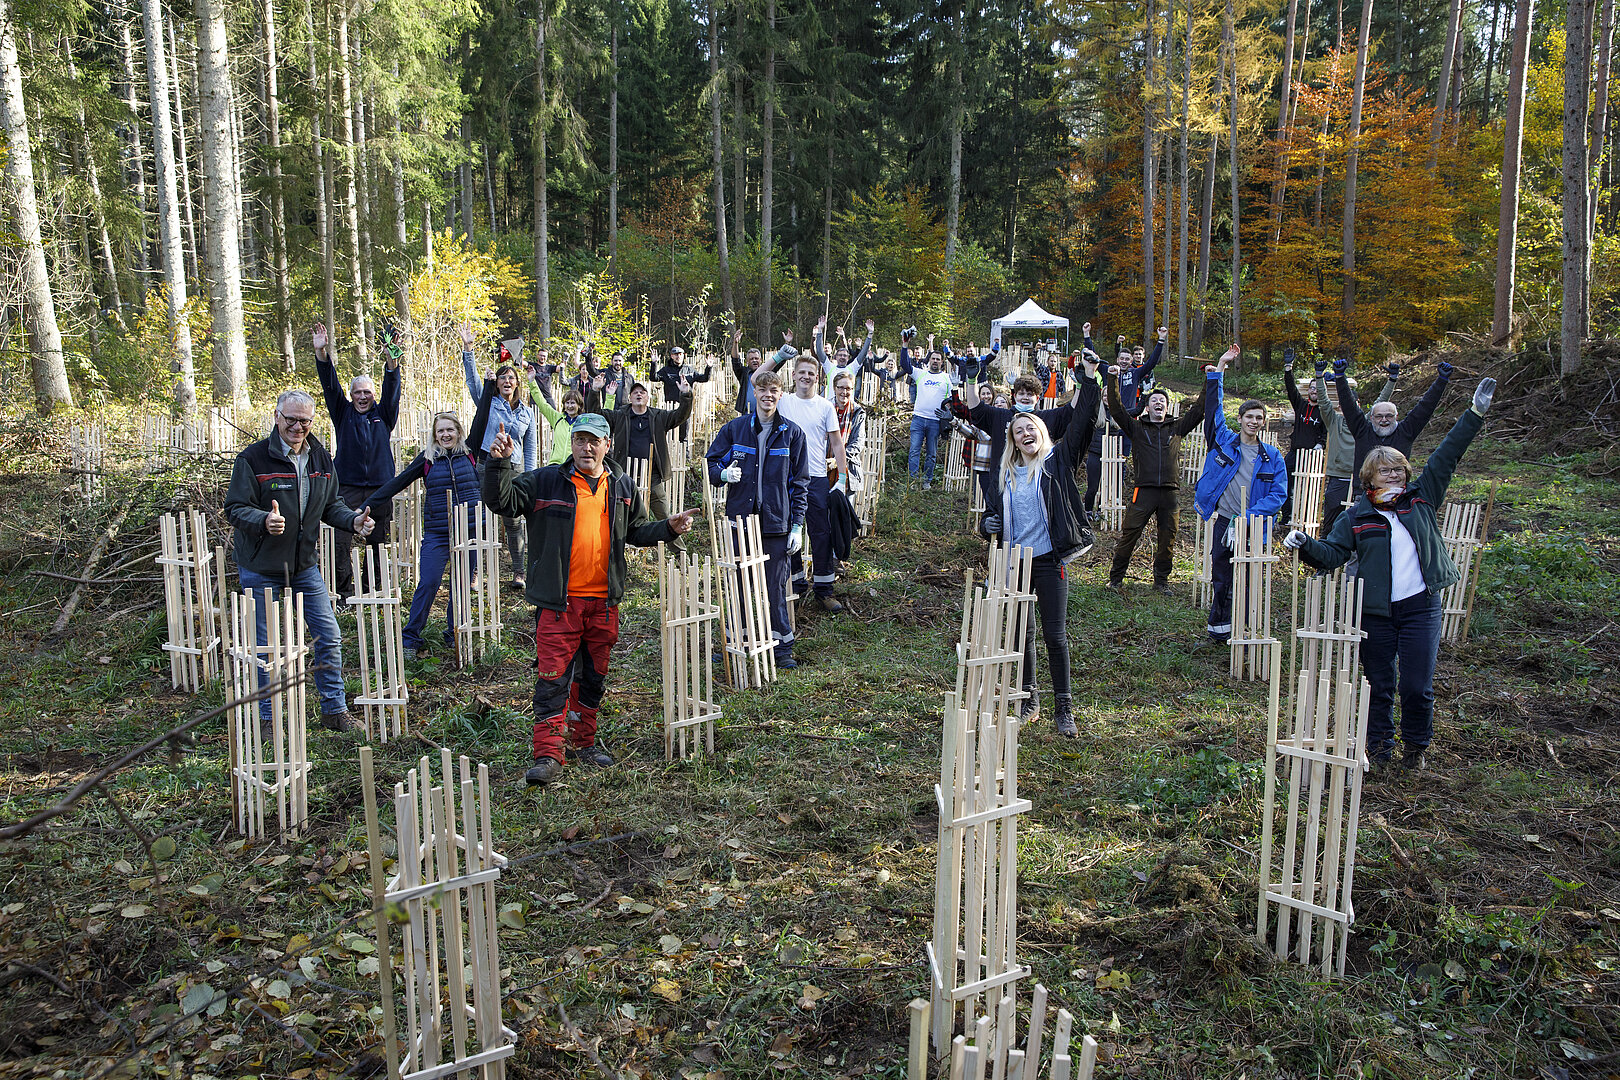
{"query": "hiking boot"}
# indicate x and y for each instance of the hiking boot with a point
(1117, 584)
(1030, 710)
(543, 771)
(1414, 761)
(831, 604)
(1063, 723)
(339, 721)
(1162, 588)
(1211, 641)
(785, 661)
(410, 654)
(590, 755)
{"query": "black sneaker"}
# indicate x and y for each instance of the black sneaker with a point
(1063, 722)
(785, 662)
(1414, 761)
(590, 755)
(1162, 588)
(1030, 710)
(543, 771)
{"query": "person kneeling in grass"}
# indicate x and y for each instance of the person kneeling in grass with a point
(1394, 533)
(580, 515)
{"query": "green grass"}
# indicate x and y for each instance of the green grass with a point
(801, 854)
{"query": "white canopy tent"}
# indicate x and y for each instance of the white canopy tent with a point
(1029, 316)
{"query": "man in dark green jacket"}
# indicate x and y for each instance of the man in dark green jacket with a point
(1393, 530)
(580, 514)
(1155, 443)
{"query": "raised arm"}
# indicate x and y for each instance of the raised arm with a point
(331, 390)
(1194, 414)
(391, 394)
(1442, 464)
(1354, 418)
(1415, 420)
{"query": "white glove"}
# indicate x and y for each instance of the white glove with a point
(731, 474)
(796, 540)
(843, 483)
(1227, 538)
(1294, 540)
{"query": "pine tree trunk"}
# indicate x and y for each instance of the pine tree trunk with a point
(46, 362)
(246, 239)
(722, 251)
(351, 209)
(278, 205)
(767, 175)
(1206, 227)
(1442, 95)
(1347, 306)
(542, 269)
(1490, 59)
(1232, 150)
(1167, 160)
(489, 187)
(1507, 233)
(464, 174)
(137, 153)
(224, 253)
(361, 175)
(1594, 152)
(1577, 88)
(402, 290)
(1181, 250)
(194, 258)
(174, 278)
(953, 197)
(320, 91)
(1148, 180)
(613, 155)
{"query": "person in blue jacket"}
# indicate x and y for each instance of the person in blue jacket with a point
(447, 471)
(1394, 534)
(762, 461)
(509, 413)
(1238, 466)
(362, 425)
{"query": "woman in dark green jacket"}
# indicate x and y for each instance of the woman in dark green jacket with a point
(1394, 535)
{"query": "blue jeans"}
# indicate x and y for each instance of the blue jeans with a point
(327, 647)
(435, 557)
(1400, 652)
(924, 431)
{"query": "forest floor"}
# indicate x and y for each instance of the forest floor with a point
(762, 911)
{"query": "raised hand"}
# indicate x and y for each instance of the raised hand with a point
(363, 523)
(1164, 334)
(1113, 369)
(787, 337)
(274, 523)
(1339, 365)
(680, 524)
(599, 382)
(684, 386)
(1483, 394)
(1321, 365)
(318, 338)
(871, 327)
(466, 335)
(1227, 357)
(1288, 358)
(731, 474)
(1393, 369)
(1444, 368)
(1085, 329)
(502, 446)
(821, 324)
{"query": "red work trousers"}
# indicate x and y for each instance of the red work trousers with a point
(571, 651)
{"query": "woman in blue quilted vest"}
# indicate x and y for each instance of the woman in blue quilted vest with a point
(447, 471)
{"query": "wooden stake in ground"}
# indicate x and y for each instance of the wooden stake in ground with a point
(475, 580)
(689, 599)
(1252, 563)
(1305, 489)
(378, 632)
(405, 536)
(269, 753)
(326, 559)
(444, 882)
(1462, 529)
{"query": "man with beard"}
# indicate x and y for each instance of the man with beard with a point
(1156, 449)
(1381, 425)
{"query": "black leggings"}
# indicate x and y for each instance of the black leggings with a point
(1051, 584)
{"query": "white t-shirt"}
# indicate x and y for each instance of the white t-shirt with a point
(816, 417)
(929, 391)
(1405, 572)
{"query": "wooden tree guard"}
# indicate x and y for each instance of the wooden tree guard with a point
(326, 559)
(475, 579)
(1111, 492)
(868, 389)
(376, 603)
(750, 648)
(1193, 452)
(640, 472)
(994, 1046)
(1252, 563)
(690, 601)
(444, 881)
(874, 441)
(224, 429)
(677, 470)
(1306, 489)
(405, 535)
(1326, 756)
(168, 442)
(190, 599)
(269, 762)
(1203, 560)
(87, 454)
(974, 946)
(958, 473)
(1463, 529)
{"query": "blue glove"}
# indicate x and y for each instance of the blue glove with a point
(1394, 369)
(995, 347)
(1339, 365)
(1288, 358)
(1444, 369)
(1321, 365)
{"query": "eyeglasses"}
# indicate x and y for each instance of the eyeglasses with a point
(296, 421)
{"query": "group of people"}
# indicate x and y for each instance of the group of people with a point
(791, 457)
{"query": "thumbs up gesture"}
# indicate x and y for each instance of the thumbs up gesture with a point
(501, 447)
(363, 523)
(274, 523)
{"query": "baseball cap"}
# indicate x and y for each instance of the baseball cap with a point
(591, 424)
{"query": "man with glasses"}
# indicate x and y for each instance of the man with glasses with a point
(282, 488)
